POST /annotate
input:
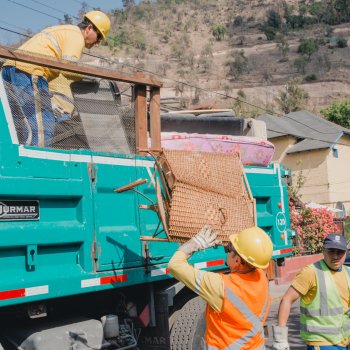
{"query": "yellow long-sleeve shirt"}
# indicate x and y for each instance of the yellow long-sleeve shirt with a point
(209, 285)
(62, 41)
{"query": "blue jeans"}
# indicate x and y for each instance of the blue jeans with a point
(31, 101)
(326, 347)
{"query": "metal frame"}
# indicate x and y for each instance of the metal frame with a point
(144, 85)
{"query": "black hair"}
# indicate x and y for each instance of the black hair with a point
(84, 23)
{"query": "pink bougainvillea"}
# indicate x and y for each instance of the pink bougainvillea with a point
(311, 227)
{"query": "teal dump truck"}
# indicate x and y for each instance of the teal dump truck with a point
(79, 240)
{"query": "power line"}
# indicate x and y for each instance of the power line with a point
(12, 31)
(12, 25)
(150, 72)
(214, 92)
(153, 73)
(83, 3)
(308, 126)
(30, 8)
(52, 8)
(306, 137)
(185, 83)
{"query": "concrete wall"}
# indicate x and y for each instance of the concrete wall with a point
(313, 166)
(327, 179)
(293, 265)
(282, 144)
(339, 170)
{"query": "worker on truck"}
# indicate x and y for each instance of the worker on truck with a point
(29, 82)
(237, 303)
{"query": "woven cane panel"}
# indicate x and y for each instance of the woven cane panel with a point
(220, 173)
(192, 208)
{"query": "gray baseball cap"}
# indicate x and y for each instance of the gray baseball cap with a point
(335, 241)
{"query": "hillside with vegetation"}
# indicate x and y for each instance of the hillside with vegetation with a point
(276, 55)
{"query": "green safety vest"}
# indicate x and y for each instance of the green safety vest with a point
(324, 319)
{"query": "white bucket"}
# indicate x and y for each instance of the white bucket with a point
(110, 325)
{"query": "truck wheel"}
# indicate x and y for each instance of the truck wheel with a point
(188, 328)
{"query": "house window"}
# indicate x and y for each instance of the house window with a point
(335, 152)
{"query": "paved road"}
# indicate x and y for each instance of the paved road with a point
(295, 342)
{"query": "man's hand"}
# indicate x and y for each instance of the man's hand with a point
(280, 338)
(204, 239)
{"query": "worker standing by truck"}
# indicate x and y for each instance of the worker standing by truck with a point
(324, 289)
(237, 303)
(30, 82)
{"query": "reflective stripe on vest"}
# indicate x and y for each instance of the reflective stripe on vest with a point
(198, 282)
(53, 41)
(262, 347)
(255, 321)
(323, 310)
(313, 324)
(57, 47)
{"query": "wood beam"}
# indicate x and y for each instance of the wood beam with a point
(141, 118)
(69, 66)
(155, 123)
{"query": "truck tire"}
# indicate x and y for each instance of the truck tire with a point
(188, 328)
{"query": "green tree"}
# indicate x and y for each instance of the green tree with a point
(273, 19)
(67, 19)
(128, 3)
(308, 47)
(84, 8)
(292, 98)
(317, 9)
(270, 32)
(206, 58)
(239, 65)
(242, 108)
(283, 46)
(338, 112)
(300, 64)
(218, 31)
(342, 42)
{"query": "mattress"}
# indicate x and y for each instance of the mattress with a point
(253, 151)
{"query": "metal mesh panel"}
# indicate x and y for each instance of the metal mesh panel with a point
(207, 171)
(205, 188)
(192, 208)
(77, 113)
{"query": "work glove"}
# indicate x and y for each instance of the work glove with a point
(204, 239)
(280, 338)
(57, 109)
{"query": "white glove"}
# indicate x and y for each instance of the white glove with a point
(280, 338)
(57, 109)
(204, 239)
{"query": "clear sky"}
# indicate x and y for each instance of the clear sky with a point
(17, 16)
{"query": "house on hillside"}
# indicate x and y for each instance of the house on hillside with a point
(317, 149)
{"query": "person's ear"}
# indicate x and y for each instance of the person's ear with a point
(238, 259)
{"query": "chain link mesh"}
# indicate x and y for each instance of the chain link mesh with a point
(79, 112)
(206, 188)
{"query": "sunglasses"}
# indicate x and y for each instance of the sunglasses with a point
(99, 35)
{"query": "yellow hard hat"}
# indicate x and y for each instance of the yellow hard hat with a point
(254, 246)
(100, 20)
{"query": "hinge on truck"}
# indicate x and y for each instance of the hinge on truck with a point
(92, 172)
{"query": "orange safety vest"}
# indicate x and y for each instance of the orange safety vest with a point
(239, 325)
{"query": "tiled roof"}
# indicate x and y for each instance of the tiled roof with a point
(312, 131)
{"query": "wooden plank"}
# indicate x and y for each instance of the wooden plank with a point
(155, 118)
(149, 238)
(141, 118)
(70, 66)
